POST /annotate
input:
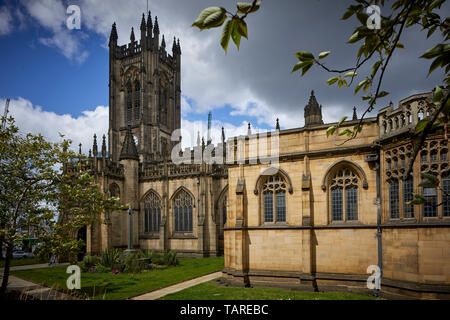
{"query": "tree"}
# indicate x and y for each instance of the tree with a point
(379, 36)
(36, 186)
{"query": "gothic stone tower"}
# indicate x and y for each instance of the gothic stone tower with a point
(144, 92)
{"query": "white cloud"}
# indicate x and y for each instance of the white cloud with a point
(51, 15)
(5, 21)
(33, 118)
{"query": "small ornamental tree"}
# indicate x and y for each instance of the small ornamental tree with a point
(38, 193)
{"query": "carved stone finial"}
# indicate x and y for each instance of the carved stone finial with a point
(129, 150)
(355, 117)
(313, 112)
(132, 38)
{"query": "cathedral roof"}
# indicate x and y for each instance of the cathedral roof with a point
(129, 150)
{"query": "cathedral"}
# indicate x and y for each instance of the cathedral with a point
(317, 219)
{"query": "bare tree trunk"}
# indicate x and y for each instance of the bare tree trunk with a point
(9, 251)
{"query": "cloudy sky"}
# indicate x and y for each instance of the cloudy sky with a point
(57, 78)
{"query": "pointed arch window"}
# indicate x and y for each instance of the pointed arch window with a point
(224, 210)
(137, 100)
(129, 102)
(183, 207)
(394, 199)
(344, 195)
(152, 214)
(408, 189)
(114, 190)
(446, 194)
(274, 199)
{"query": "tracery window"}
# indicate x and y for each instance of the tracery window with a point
(433, 159)
(183, 207)
(274, 199)
(137, 100)
(344, 190)
(446, 194)
(408, 189)
(129, 103)
(224, 210)
(152, 214)
(114, 190)
(437, 202)
(394, 199)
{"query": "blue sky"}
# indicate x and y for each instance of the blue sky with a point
(57, 78)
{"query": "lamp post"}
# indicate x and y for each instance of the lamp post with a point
(198, 198)
(130, 231)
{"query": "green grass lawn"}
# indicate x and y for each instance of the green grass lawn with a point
(110, 286)
(20, 262)
(212, 291)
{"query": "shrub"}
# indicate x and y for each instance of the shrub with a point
(102, 269)
(133, 263)
(88, 262)
(109, 258)
(170, 258)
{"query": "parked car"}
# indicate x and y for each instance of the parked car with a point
(18, 254)
(28, 255)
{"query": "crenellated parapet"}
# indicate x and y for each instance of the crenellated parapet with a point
(394, 121)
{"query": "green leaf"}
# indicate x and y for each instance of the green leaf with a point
(375, 68)
(350, 74)
(359, 86)
(435, 3)
(347, 131)
(438, 95)
(400, 45)
(226, 34)
(333, 80)
(354, 38)
(307, 67)
(429, 180)
(341, 121)
(436, 51)
(431, 31)
(421, 125)
(242, 28)
(418, 199)
(210, 17)
(324, 54)
(244, 7)
(382, 94)
(235, 35)
(331, 130)
(439, 61)
(300, 65)
(304, 55)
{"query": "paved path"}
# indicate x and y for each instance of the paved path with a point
(33, 266)
(33, 290)
(178, 287)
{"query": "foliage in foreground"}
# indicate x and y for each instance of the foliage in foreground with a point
(38, 193)
(124, 285)
(116, 262)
